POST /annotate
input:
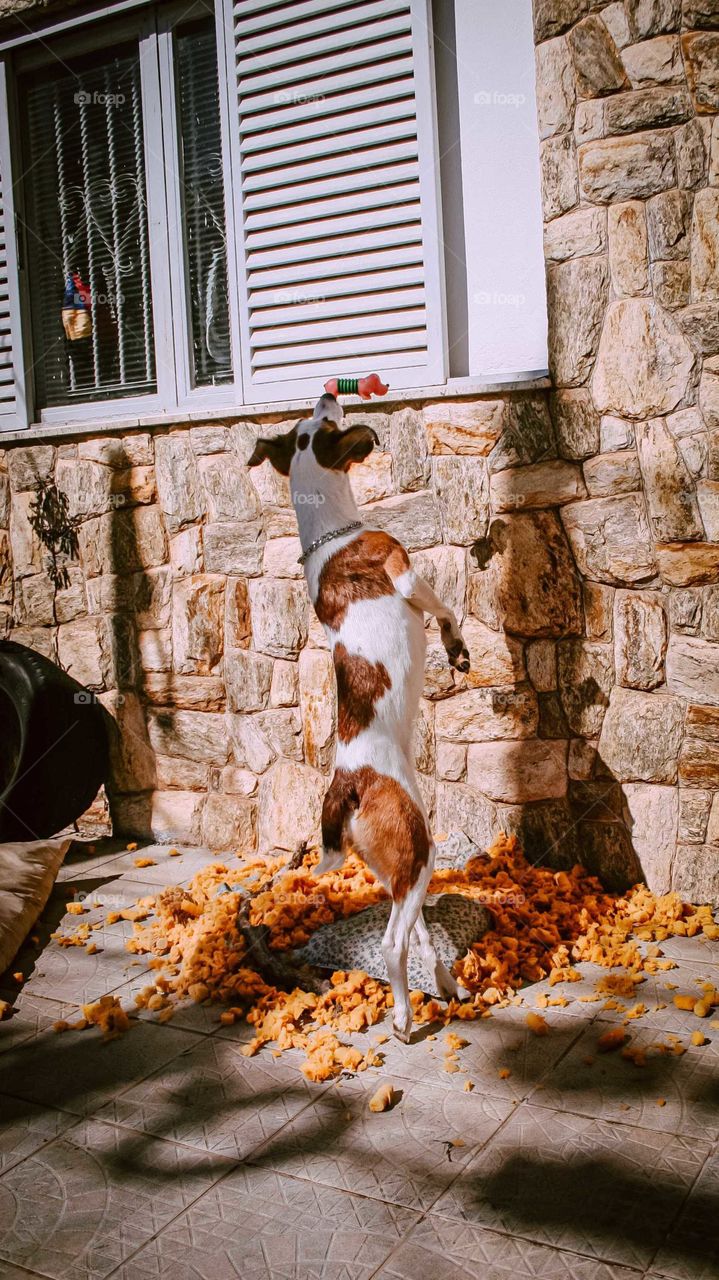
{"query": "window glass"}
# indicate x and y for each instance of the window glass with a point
(203, 202)
(87, 239)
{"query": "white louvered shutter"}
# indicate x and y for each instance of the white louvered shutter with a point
(336, 193)
(12, 400)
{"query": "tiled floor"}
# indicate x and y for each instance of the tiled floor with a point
(167, 1153)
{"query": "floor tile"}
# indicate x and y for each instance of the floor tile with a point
(26, 1126)
(699, 950)
(442, 1249)
(692, 1250)
(215, 1098)
(259, 1225)
(84, 1203)
(502, 1043)
(165, 869)
(81, 864)
(607, 1190)
(30, 1017)
(405, 1155)
(78, 1071)
(609, 1086)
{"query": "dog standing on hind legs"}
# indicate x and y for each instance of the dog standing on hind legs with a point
(372, 606)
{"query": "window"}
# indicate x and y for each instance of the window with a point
(224, 205)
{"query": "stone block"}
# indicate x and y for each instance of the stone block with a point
(444, 568)
(560, 188)
(132, 760)
(577, 234)
(290, 806)
(250, 746)
(652, 62)
(280, 558)
(688, 564)
(528, 434)
(542, 665)
(696, 873)
(673, 509)
(705, 243)
(615, 433)
(699, 322)
(470, 428)
(461, 486)
(628, 247)
(693, 669)
(586, 677)
(576, 423)
(641, 736)
(487, 715)
(626, 168)
(653, 819)
(644, 363)
(640, 629)
(236, 548)
(556, 93)
(651, 17)
(710, 617)
(691, 143)
(598, 68)
(284, 689)
(29, 464)
(423, 744)
(318, 703)
(132, 486)
(27, 552)
(408, 447)
(694, 807)
(589, 120)
(238, 623)
(528, 583)
(551, 17)
(616, 20)
(80, 650)
(542, 484)
(495, 658)
(279, 610)
(612, 473)
(451, 761)
(709, 393)
(192, 735)
(229, 823)
(152, 598)
(372, 479)
(701, 59)
(671, 284)
(248, 678)
(282, 729)
(685, 610)
(228, 490)
(198, 616)
(656, 108)
(186, 693)
(518, 772)
(708, 499)
(155, 648)
(87, 487)
(610, 539)
(598, 610)
(413, 519)
(180, 775)
(186, 552)
(576, 298)
(177, 480)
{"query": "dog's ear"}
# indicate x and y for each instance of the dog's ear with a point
(339, 449)
(279, 450)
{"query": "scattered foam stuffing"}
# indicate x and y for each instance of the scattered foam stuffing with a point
(543, 921)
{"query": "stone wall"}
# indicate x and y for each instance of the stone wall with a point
(628, 95)
(576, 531)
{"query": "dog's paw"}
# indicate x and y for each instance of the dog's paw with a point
(458, 655)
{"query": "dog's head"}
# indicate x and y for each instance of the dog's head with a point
(333, 448)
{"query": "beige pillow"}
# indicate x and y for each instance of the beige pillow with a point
(27, 874)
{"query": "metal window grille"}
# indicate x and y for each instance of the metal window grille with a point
(87, 237)
(203, 202)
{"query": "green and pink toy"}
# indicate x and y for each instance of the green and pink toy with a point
(371, 385)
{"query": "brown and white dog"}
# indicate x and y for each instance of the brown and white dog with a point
(372, 606)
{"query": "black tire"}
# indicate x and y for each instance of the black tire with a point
(53, 746)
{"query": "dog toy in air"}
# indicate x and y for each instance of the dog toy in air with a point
(363, 387)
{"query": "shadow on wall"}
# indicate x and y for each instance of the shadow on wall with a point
(541, 772)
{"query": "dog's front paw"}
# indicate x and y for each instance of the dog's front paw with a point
(458, 655)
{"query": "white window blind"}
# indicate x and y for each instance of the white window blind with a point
(12, 410)
(333, 142)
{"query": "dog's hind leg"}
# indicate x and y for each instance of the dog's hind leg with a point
(445, 984)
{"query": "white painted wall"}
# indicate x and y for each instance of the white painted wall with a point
(506, 298)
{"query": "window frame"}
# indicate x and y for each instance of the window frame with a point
(175, 395)
(151, 25)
